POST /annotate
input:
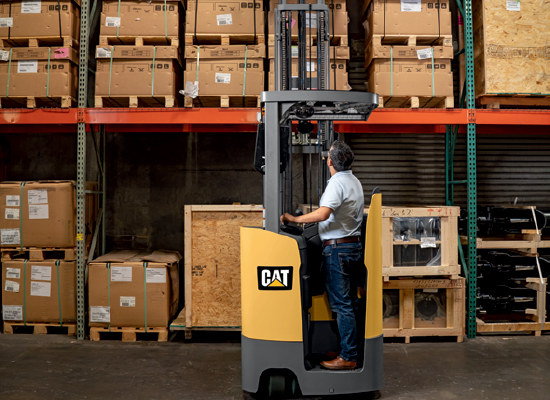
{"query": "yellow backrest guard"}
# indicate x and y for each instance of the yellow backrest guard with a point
(373, 261)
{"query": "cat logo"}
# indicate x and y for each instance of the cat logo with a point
(275, 278)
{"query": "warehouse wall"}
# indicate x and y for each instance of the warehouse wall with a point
(151, 178)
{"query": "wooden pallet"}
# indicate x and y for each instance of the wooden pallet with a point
(38, 253)
(179, 324)
(135, 101)
(35, 102)
(49, 41)
(518, 100)
(412, 40)
(536, 323)
(224, 101)
(408, 325)
(128, 334)
(416, 102)
(139, 40)
(337, 40)
(223, 40)
(39, 328)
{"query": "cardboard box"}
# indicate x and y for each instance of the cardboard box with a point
(390, 18)
(40, 19)
(141, 19)
(134, 292)
(219, 77)
(337, 28)
(131, 71)
(338, 5)
(48, 211)
(411, 77)
(337, 70)
(28, 75)
(216, 17)
(232, 51)
(30, 291)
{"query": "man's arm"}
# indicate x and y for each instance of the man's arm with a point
(321, 214)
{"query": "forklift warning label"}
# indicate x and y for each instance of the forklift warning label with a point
(275, 278)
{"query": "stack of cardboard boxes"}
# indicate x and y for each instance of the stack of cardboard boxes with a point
(38, 244)
(339, 50)
(38, 60)
(224, 54)
(408, 52)
(138, 58)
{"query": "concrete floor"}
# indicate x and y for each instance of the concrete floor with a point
(60, 367)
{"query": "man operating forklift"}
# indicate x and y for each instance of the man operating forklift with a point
(339, 215)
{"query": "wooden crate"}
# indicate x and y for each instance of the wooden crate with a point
(213, 265)
(409, 324)
(448, 244)
(535, 318)
(511, 53)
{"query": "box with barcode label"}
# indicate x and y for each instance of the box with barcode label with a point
(150, 74)
(156, 20)
(42, 214)
(129, 288)
(21, 20)
(399, 73)
(409, 22)
(39, 291)
(47, 74)
(207, 17)
(226, 76)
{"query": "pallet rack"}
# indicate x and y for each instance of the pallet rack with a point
(435, 121)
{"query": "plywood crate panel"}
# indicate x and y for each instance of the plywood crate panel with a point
(511, 48)
(213, 263)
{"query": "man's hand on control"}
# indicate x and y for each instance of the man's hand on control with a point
(321, 214)
(287, 217)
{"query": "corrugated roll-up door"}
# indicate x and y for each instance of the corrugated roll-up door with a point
(410, 168)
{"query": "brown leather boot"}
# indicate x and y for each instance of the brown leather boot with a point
(339, 364)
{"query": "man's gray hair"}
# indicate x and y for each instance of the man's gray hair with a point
(341, 155)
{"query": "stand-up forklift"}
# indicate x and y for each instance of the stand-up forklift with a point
(287, 325)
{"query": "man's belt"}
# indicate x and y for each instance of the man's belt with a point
(349, 239)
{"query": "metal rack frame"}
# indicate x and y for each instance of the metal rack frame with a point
(428, 121)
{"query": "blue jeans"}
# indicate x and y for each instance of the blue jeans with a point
(342, 262)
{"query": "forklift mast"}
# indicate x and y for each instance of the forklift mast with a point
(302, 99)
